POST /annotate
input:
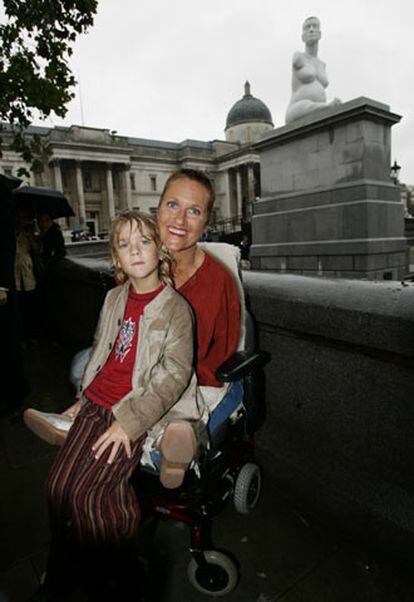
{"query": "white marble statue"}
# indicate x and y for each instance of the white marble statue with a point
(309, 78)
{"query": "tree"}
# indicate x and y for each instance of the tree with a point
(35, 45)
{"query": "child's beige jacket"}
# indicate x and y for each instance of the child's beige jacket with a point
(163, 379)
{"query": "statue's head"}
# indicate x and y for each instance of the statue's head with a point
(311, 30)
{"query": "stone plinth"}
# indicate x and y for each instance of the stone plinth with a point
(328, 206)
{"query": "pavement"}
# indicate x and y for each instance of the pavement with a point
(282, 554)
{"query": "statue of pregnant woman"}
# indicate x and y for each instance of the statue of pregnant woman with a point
(309, 78)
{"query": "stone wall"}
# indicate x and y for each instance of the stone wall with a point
(75, 297)
(338, 434)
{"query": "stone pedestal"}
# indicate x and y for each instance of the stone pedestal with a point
(328, 206)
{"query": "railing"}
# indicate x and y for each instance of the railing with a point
(227, 226)
(409, 230)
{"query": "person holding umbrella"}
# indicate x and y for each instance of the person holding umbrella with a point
(14, 385)
(50, 250)
(47, 205)
(26, 284)
(52, 244)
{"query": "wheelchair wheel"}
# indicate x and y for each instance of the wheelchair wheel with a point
(247, 488)
(218, 577)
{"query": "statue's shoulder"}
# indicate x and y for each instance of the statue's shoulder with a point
(298, 60)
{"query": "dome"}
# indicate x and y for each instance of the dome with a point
(248, 109)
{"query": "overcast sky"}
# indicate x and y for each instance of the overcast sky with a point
(172, 69)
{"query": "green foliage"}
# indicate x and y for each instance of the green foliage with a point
(35, 44)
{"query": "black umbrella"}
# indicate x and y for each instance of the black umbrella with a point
(10, 181)
(43, 200)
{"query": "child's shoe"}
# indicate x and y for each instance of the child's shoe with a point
(52, 428)
(178, 448)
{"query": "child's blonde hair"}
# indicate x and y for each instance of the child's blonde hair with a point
(143, 220)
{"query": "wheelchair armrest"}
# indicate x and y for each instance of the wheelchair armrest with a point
(240, 364)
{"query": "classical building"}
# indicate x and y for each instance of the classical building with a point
(101, 172)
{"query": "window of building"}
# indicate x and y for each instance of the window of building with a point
(8, 171)
(97, 182)
(87, 179)
(65, 179)
(91, 180)
(132, 180)
(153, 211)
(92, 222)
(38, 178)
(153, 180)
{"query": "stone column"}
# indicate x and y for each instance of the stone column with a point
(110, 191)
(239, 192)
(62, 221)
(58, 175)
(250, 183)
(81, 195)
(250, 189)
(127, 188)
(227, 200)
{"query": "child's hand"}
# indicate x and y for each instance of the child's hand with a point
(115, 436)
(73, 410)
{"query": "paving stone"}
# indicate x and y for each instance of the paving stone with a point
(18, 582)
(280, 553)
(344, 578)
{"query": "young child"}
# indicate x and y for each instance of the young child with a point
(141, 365)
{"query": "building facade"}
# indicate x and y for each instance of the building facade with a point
(102, 173)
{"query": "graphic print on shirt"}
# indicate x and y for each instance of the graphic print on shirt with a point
(125, 338)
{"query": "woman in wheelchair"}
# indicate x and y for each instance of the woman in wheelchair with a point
(114, 420)
(183, 213)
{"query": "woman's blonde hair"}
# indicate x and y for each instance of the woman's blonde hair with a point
(147, 222)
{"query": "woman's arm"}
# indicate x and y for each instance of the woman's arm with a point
(224, 335)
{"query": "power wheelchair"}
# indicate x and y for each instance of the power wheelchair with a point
(225, 471)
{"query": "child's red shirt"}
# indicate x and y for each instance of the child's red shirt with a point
(113, 382)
